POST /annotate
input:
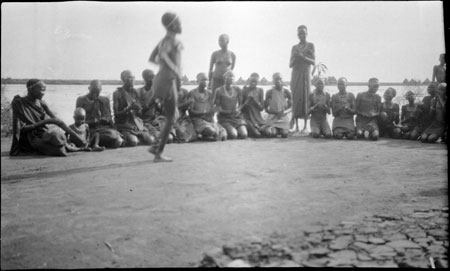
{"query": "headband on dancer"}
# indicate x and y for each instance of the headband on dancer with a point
(169, 19)
(171, 22)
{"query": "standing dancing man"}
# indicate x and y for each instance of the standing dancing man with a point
(168, 79)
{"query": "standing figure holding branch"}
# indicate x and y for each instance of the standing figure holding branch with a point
(168, 79)
(302, 57)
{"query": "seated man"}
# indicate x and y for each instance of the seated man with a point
(425, 114)
(410, 117)
(368, 107)
(31, 130)
(126, 113)
(278, 104)
(150, 109)
(201, 112)
(98, 116)
(438, 116)
(320, 103)
(343, 108)
(253, 104)
(227, 101)
(183, 127)
(389, 116)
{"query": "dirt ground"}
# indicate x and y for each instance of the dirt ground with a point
(119, 209)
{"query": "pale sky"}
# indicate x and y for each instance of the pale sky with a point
(98, 40)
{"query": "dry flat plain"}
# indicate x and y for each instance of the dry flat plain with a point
(119, 209)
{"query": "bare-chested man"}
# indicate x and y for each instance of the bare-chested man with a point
(98, 116)
(127, 110)
(368, 108)
(167, 82)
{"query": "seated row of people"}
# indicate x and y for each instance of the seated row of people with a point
(36, 128)
(139, 118)
(374, 118)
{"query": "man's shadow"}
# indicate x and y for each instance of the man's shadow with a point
(22, 157)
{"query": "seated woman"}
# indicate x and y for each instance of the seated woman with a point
(343, 108)
(98, 116)
(368, 107)
(31, 130)
(320, 102)
(253, 104)
(409, 117)
(227, 100)
(278, 104)
(389, 116)
(201, 112)
(437, 113)
(425, 116)
(127, 109)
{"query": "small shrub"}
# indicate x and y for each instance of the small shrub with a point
(6, 125)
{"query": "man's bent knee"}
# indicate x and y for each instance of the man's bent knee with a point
(432, 138)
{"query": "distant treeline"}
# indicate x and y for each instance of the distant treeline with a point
(240, 81)
(62, 81)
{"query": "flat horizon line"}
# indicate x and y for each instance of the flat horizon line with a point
(16, 81)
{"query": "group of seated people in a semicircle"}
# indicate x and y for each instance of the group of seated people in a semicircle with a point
(227, 113)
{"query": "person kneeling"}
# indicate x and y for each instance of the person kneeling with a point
(227, 99)
(438, 116)
(343, 108)
(368, 107)
(278, 104)
(389, 116)
(201, 112)
(320, 107)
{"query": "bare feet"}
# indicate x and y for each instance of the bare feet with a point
(98, 148)
(70, 147)
(161, 158)
(366, 134)
(153, 149)
(305, 131)
(158, 156)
